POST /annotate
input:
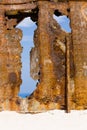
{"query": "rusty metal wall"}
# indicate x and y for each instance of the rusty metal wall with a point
(79, 33)
(62, 73)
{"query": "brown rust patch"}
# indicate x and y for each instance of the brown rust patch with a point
(12, 77)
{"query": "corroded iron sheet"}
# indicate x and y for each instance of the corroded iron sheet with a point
(58, 59)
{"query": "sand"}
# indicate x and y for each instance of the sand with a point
(51, 120)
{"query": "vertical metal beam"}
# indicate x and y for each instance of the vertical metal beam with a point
(3, 56)
(67, 75)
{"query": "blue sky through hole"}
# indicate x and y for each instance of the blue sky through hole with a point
(64, 22)
(27, 26)
(28, 84)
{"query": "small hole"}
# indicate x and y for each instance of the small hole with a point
(63, 21)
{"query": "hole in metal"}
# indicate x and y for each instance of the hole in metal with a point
(28, 84)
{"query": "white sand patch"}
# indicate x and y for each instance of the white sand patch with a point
(52, 120)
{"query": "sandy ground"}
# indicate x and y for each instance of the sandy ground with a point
(52, 120)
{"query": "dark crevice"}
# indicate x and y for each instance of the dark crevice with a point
(57, 13)
(20, 15)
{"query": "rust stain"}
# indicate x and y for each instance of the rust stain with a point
(58, 59)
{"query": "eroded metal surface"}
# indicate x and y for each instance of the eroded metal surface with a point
(58, 59)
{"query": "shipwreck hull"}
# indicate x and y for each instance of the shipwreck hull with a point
(58, 59)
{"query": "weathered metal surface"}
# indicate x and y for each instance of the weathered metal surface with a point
(15, 1)
(58, 59)
(48, 90)
(18, 7)
(34, 63)
(79, 33)
(10, 65)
